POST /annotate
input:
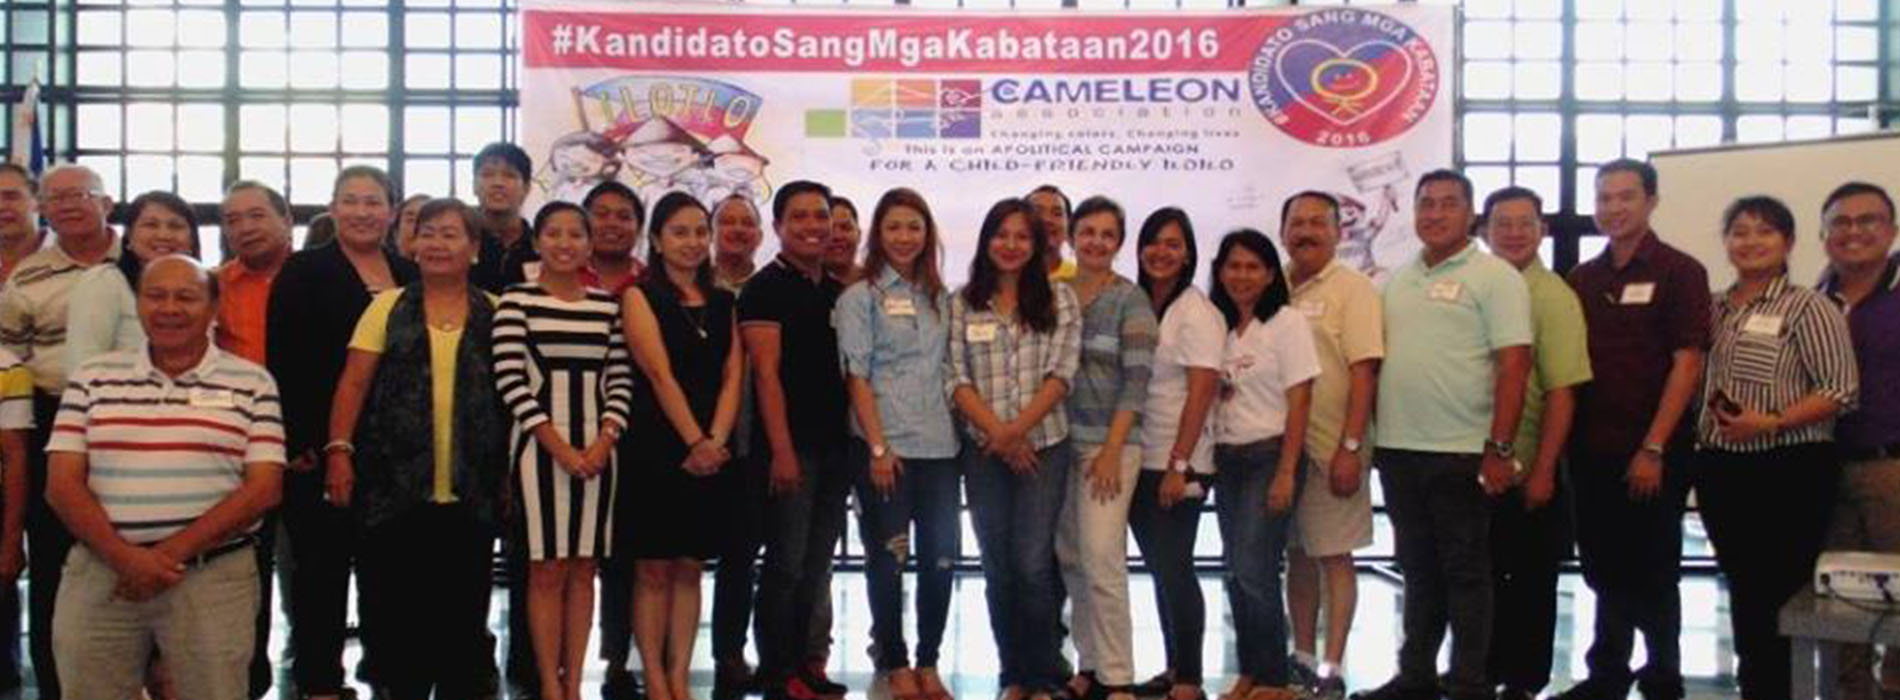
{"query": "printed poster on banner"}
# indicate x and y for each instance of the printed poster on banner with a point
(1224, 114)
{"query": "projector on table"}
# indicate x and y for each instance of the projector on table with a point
(1863, 576)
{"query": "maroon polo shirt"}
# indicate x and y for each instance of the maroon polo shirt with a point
(1638, 317)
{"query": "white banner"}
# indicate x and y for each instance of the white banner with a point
(1223, 114)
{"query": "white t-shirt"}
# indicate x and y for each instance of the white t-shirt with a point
(1192, 334)
(1261, 361)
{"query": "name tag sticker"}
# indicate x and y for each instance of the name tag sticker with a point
(1445, 290)
(980, 332)
(1313, 308)
(1762, 324)
(212, 398)
(899, 306)
(1637, 293)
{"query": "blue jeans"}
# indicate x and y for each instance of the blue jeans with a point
(1253, 543)
(801, 538)
(1015, 518)
(926, 494)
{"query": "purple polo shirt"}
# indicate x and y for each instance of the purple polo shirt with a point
(1874, 324)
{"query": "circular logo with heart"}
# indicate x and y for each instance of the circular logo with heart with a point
(1344, 78)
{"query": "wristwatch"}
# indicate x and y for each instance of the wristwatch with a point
(879, 450)
(1501, 448)
(1654, 448)
(1352, 445)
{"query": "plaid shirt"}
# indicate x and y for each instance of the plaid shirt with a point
(1006, 362)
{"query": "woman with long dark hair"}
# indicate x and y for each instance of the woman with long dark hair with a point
(426, 467)
(1177, 463)
(1267, 380)
(1781, 368)
(102, 314)
(1015, 341)
(892, 327)
(561, 366)
(684, 338)
(315, 304)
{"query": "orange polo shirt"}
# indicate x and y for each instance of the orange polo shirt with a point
(243, 298)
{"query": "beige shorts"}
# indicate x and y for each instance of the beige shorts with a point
(1325, 525)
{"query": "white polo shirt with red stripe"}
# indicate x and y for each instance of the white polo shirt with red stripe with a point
(162, 450)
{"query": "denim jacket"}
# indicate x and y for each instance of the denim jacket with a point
(890, 333)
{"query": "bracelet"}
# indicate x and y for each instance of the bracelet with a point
(343, 446)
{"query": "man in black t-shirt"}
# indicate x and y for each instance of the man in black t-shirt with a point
(785, 317)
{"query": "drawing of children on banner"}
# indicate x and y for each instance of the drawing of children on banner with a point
(576, 162)
(660, 134)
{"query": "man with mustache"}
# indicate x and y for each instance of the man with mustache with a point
(1451, 389)
(1530, 526)
(1647, 308)
(33, 327)
(1333, 516)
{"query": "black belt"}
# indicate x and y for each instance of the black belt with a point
(1869, 454)
(212, 554)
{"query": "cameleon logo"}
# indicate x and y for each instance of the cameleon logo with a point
(1344, 78)
(907, 108)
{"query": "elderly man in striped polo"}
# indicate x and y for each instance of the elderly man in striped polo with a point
(161, 462)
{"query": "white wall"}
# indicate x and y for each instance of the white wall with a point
(1697, 184)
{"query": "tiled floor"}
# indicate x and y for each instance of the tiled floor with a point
(969, 661)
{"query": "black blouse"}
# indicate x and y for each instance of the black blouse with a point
(314, 305)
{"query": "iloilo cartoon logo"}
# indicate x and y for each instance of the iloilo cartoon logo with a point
(1344, 78)
(658, 134)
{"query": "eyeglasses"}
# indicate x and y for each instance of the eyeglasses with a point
(1864, 222)
(70, 197)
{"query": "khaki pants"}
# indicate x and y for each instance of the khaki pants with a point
(202, 627)
(1092, 556)
(1867, 518)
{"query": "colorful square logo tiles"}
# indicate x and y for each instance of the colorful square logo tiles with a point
(904, 108)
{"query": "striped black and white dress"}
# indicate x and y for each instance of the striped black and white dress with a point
(563, 363)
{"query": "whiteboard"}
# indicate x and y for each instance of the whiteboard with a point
(1697, 184)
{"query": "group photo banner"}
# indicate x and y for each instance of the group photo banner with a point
(1223, 114)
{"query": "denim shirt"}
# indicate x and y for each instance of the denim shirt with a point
(890, 333)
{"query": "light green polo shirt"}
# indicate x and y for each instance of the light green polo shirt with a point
(1442, 325)
(1560, 346)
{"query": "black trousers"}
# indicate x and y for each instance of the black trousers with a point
(324, 540)
(1527, 552)
(426, 582)
(1767, 515)
(1441, 523)
(522, 669)
(1631, 553)
(1166, 537)
(47, 542)
(735, 580)
(616, 608)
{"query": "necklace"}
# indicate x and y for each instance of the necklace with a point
(695, 315)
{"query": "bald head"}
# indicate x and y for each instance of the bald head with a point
(177, 300)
